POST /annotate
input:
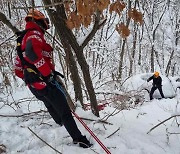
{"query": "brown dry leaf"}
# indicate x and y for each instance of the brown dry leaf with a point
(87, 5)
(86, 2)
(85, 11)
(80, 8)
(67, 7)
(77, 22)
(135, 15)
(74, 20)
(130, 13)
(87, 21)
(92, 9)
(140, 18)
(117, 7)
(102, 4)
(73, 16)
(112, 7)
(123, 30)
(70, 24)
(120, 7)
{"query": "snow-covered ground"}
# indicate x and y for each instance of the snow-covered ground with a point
(125, 132)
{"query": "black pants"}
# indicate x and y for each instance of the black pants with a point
(153, 89)
(56, 103)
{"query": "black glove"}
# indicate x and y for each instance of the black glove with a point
(56, 73)
(48, 78)
(52, 76)
(31, 77)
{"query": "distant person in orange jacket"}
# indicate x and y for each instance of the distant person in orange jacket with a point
(157, 84)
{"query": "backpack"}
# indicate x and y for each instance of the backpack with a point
(31, 73)
(20, 36)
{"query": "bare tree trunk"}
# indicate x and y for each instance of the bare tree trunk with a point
(133, 50)
(176, 43)
(58, 17)
(152, 58)
(123, 48)
(140, 39)
(74, 72)
(153, 41)
(121, 59)
(169, 63)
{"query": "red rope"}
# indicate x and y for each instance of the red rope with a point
(93, 135)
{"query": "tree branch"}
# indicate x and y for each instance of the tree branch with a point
(8, 23)
(7, 39)
(96, 27)
(97, 121)
(113, 133)
(162, 123)
(44, 141)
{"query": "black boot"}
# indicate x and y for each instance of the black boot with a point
(83, 142)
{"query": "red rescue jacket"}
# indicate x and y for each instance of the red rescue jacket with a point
(37, 52)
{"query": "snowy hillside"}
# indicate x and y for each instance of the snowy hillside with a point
(124, 132)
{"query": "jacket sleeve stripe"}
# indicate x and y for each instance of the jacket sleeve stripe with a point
(34, 37)
(40, 63)
(18, 68)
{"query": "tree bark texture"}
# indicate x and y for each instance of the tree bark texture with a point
(122, 52)
(74, 72)
(58, 18)
(133, 50)
(177, 35)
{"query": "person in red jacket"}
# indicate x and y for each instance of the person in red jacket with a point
(36, 69)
